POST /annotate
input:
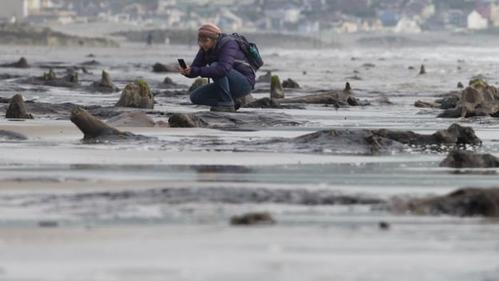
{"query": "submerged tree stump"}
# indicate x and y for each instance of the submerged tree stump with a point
(198, 83)
(91, 127)
(106, 84)
(276, 90)
(137, 94)
(21, 63)
(17, 108)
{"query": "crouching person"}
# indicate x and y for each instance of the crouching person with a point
(221, 59)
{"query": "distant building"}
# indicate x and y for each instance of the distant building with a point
(388, 17)
(484, 8)
(47, 4)
(347, 24)
(477, 21)
(351, 7)
(494, 15)
(174, 17)
(279, 18)
(456, 18)
(165, 5)
(308, 26)
(371, 25)
(14, 9)
(419, 9)
(314, 5)
(347, 27)
(406, 25)
(227, 20)
(33, 6)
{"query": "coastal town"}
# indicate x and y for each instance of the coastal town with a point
(298, 16)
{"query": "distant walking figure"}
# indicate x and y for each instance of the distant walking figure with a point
(149, 39)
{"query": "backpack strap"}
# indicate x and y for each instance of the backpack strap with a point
(247, 64)
(224, 38)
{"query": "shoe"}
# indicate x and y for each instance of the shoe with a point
(237, 104)
(223, 108)
(242, 101)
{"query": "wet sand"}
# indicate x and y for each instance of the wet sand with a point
(116, 237)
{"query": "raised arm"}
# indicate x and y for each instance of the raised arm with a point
(224, 64)
(199, 61)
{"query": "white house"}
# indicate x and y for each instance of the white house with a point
(347, 27)
(477, 21)
(292, 15)
(33, 6)
(406, 25)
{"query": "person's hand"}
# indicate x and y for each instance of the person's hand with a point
(185, 71)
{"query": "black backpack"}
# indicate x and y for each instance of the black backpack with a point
(250, 50)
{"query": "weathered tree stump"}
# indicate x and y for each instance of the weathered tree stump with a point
(198, 83)
(290, 84)
(105, 85)
(276, 90)
(21, 63)
(17, 108)
(422, 70)
(93, 128)
(468, 159)
(138, 95)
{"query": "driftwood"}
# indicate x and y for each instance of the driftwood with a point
(266, 78)
(160, 68)
(467, 202)
(9, 135)
(131, 119)
(337, 98)
(478, 99)
(94, 129)
(240, 120)
(454, 135)
(469, 159)
(270, 103)
(369, 142)
(263, 218)
(70, 80)
(290, 84)
(21, 63)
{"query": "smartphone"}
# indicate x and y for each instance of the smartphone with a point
(182, 64)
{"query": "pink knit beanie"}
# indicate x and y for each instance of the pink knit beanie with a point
(209, 30)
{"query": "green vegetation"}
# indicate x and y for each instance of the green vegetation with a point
(144, 87)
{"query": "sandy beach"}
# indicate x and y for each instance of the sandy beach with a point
(72, 210)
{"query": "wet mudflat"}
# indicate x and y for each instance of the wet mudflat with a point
(158, 208)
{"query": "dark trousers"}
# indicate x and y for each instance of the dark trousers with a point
(222, 91)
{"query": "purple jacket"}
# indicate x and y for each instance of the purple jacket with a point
(226, 54)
